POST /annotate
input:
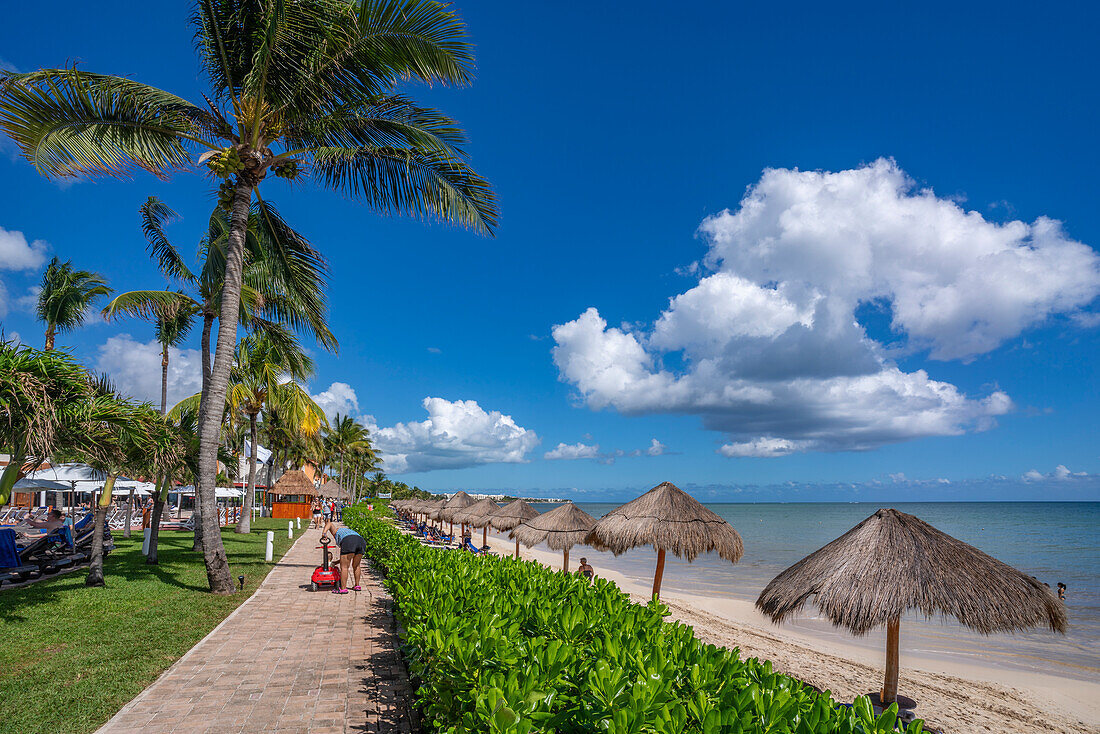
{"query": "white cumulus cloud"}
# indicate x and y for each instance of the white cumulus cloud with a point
(457, 434)
(339, 398)
(569, 452)
(135, 369)
(18, 254)
(768, 348)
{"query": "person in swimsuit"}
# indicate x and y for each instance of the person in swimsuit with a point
(352, 547)
(1061, 591)
(585, 570)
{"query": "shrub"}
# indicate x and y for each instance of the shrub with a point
(507, 646)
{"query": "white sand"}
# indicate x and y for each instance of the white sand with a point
(951, 695)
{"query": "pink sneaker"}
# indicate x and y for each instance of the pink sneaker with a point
(339, 591)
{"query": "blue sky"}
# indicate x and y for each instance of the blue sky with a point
(890, 305)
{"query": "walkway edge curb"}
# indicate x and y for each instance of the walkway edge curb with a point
(125, 709)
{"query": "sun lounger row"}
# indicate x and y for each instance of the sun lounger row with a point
(54, 551)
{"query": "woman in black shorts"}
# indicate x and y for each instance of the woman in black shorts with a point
(352, 548)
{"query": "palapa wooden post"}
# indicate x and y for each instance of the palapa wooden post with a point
(565, 561)
(485, 536)
(659, 573)
(517, 547)
(890, 686)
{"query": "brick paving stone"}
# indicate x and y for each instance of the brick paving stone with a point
(288, 660)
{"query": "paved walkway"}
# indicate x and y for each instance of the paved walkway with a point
(287, 660)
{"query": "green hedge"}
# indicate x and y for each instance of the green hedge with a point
(501, 645)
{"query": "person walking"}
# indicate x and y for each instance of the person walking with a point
(352, 547)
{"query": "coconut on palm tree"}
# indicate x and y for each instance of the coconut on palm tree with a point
(65, 296)
(300, 88)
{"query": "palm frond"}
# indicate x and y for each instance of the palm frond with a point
(421, 183)
(69, 122)
(155, 215)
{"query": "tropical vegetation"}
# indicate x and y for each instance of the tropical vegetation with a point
(304, 90)
(505, 646)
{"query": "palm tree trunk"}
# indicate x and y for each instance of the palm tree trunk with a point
(244, 525)
(196, 513)
(158, 510)
(49, 338)
(164, 379)
(95, 568)
(129, 513)
(207, 326)
(217, 566)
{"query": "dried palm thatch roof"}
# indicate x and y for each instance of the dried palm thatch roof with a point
(893, 562)
(477, 514)
(561, 528)
(670, 519)
(513, 514)
(458, 501)
(295, 482)
(332, 489)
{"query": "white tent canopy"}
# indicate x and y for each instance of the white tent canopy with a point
(24, 485)
(219, 492)
(68, 473)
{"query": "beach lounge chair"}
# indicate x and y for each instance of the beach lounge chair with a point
(12, 566)
(473, 548)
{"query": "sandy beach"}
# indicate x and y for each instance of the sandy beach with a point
(952, 696)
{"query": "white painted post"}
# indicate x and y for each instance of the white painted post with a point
(298, 522)
(269, 550)
(145, 543)
(290, 528)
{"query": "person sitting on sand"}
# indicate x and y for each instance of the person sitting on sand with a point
(1061, 591)
(585, 570)
(54, 520)
(352, 547)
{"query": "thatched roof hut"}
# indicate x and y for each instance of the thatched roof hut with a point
(476, 514)
(561, 529)
(332, 489)
(669, 519)
(513, 514)
(458, 501)
(294, 483)
(892, 563)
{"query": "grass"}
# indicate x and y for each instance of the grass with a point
(71, 657)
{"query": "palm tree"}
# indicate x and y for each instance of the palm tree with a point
(301, 88)
(172, 322)
(65, 296)
(284, 283)
(345, 439)
(283, 279)
(41, 391)
(263, 376)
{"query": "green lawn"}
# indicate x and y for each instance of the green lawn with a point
(70, 656)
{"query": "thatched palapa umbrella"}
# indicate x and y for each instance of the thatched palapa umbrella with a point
(561, 529)
(458, 501)
(477, 515)
(511, 515)
(332, 489)
(893, 562)
(667, 518)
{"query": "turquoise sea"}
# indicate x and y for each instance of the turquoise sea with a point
(1053, 541)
